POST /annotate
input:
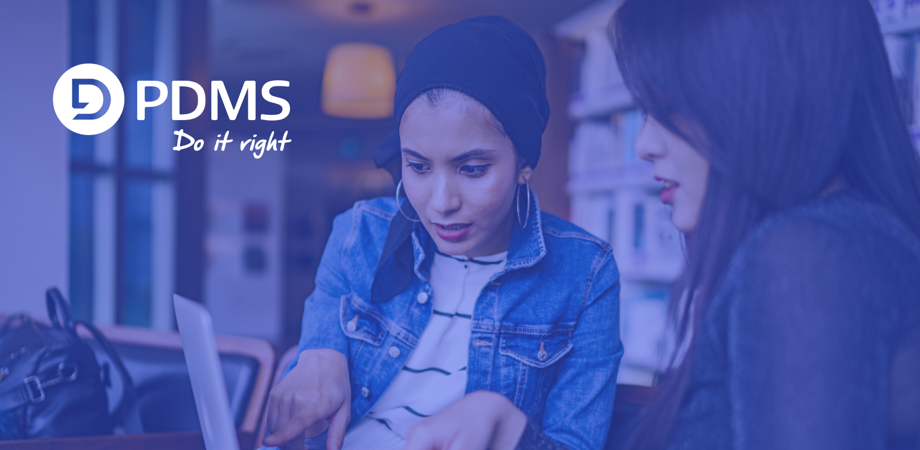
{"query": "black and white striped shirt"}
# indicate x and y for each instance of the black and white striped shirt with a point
(435, 374)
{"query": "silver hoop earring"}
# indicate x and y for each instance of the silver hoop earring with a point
(517, 204)
(398, 187)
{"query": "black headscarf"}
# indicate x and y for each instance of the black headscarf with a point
(490, 59)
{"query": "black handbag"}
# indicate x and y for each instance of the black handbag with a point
(51, 384)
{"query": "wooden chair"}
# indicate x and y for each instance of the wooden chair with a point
(157, 366)
(283, 362)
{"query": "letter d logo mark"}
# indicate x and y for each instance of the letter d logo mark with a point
(88, 99)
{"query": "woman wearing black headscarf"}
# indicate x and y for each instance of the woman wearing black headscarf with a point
(457, 316)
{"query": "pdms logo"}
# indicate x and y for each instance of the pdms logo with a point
(88, 99)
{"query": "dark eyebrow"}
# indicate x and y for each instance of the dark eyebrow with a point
(415, 154)
(473, 154)
(468, 155)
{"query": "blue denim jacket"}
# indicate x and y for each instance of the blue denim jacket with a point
(545, 330)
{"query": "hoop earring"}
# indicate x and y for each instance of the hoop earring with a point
(398, 187)
(517, 204)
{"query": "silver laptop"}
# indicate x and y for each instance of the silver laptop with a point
(208, 384)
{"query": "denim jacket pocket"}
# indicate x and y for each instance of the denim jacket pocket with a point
(536, 346)
(531, 354)
(360, 321)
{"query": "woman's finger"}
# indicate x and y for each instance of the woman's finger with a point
(271, 419)
(286, 410)
(337, 426)
(293, 444)
(421, 437)
(464, 441)
(293, 428)
(291, 407)
(469, 435)
(275, 406)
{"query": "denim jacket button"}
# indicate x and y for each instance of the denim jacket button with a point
(365, 392)
(422, 297)
(394, 352)
(352, 325)
(542, 355)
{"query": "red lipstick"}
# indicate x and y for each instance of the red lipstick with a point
(452, 232)
(667, 193)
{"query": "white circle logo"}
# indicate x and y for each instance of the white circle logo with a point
(88, 99)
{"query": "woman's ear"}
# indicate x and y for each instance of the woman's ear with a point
(524, 173)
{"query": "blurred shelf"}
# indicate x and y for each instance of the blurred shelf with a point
(579, 24)
(639, 376)
(663, 271)
(655, 276)
(612, 99)
(608, 179)
(901, 24)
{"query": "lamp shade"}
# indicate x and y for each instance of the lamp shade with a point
(359, 81)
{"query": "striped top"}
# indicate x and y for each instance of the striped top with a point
(435, 374)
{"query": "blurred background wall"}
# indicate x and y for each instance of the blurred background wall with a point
(34, 50)
(121, 221)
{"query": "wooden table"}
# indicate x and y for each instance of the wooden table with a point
(192, 440)
(188, 440)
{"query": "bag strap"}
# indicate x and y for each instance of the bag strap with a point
(59, 312)
(29, 391)
(32, 389)
(127, 410)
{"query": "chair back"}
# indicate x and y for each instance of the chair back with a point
(156, 363)
(628, 406)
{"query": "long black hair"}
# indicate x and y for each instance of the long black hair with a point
(790, 96)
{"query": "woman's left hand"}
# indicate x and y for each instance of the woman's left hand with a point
(480, 420)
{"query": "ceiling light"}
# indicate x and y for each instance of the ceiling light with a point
(359, 81)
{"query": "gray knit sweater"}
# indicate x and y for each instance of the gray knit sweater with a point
(812, 340)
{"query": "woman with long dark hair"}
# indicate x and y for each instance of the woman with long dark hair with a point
(777, 130)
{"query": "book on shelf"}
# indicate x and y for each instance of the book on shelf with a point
(629, 123)
(597, 87)
(903, 51)
(576, 61)
(638, 226)
(593, 147)
(645, 242)
(911, 91)
(599, 68)
(888, 9)
(911, 7)
(662, 240)
(643, 324)
(600, 145)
